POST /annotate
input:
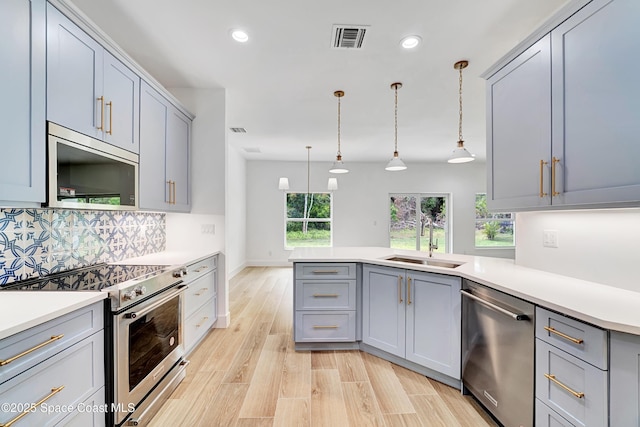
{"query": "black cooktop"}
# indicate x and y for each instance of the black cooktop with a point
(91, 278)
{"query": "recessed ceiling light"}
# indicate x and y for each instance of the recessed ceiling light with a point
(410, 42)
(240, 36)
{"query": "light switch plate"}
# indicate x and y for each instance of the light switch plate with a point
(550, 238)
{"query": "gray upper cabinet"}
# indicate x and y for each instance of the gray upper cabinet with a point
(88, 90)
(22, 112)
(164, 154)
(562, 117)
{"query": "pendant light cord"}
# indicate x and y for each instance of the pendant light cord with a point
(460, 104)
(339, 153)
(396, 118)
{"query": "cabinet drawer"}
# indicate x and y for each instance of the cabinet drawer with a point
(200, 290)
(584, 341)
(546, 417)
(325, 294)
(199, 323)
(325, 271)
(79, 369)
(90, 413)
(58, 334)
(317, 326)
(200, 268)
(587, 409)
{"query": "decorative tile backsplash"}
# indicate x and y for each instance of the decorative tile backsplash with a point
(37, 242)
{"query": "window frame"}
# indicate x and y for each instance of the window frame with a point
(287, 219)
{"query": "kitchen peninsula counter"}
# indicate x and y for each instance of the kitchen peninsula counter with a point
(602, 305)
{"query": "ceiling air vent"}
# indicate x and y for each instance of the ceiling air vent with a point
(348, 36)
(238, 130)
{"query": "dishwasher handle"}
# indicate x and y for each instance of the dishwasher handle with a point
(514, 316)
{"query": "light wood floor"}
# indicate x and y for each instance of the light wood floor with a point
(250, 375)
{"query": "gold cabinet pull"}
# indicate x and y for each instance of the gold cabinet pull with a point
(326, 295)
(174, 192)
(31, 408)
(110, 105)
(24, 353)
(172, 200)
(409, 291)
(542, 164)
(101, 99)
(325, 326)
(201, 291)
(400, 289)
(566, 337)
(199, 269)
(324, 272)
(552, 378)
(202, 322)
(554, 161)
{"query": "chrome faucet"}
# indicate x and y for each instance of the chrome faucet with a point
(432, 246)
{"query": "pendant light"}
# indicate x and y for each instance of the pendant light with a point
(460, 154)
(395, 164)
(338, 166)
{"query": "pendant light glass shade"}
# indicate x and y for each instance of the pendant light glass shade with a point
(338, 165)
(395, 164)
(460, 154)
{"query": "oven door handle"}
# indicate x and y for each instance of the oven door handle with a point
(178, 291)
(514, 316)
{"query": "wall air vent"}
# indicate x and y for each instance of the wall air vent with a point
(348, 36)
(238, 130)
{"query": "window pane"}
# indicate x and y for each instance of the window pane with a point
(402, 223)
(304, 234)
(433, 209)
(492, 229)
(316, 205)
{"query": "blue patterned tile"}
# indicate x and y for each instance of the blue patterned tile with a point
(10, 270)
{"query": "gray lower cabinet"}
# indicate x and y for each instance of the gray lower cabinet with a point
(61, 380)
(22, 111)
(200, 301)
(571, 372)
(325, 297)
(624, 381)
(413, 315)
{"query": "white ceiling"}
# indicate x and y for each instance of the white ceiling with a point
(280, 84)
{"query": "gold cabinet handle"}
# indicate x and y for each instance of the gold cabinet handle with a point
(400, 289)
(326, 295)
(24, 353)
(31, 408)
(409, 291)
(110, 105)
(554, 161)
(171, 200)
(566, 337)
(201, 291)
(202, 322)
(552, 378)
(325, 326)
(101, 99)
(174, 192)
(324, 272)
(199, 269)
(542, 164)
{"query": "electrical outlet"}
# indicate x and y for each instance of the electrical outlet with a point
(550, 238)
(208, 229)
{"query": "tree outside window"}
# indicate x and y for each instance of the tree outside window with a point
(410, 216)
(308, 220)
(493, 229)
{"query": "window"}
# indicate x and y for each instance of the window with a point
(410, 216)
(493, 229)
(308, 220)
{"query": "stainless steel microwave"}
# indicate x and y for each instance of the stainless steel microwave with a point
(85, 173)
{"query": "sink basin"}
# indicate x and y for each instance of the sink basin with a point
(426, 261)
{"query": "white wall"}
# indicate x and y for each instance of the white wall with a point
(236, 216)
(596, 245)
(361, 207)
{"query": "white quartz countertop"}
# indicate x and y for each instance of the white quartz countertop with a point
(602, 305)
(169, 258)
(21, 310)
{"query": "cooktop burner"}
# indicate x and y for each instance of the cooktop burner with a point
(91, 278)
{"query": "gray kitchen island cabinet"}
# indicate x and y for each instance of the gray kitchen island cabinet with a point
(561, 116)
(413, 315)
(88, 89)
(165, 134)
(22, 112)
(624, 380)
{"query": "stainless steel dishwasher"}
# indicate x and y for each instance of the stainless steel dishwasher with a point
(498, 354)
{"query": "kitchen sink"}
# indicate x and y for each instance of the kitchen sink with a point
(425, 261)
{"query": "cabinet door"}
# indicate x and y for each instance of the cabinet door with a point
(383, 309)
(624, 381)
(433, 322)
(596, 100)
(22, 112)
(74, 65)
(519, 130)
(122, 104)
(153, 135)
(177, 162)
